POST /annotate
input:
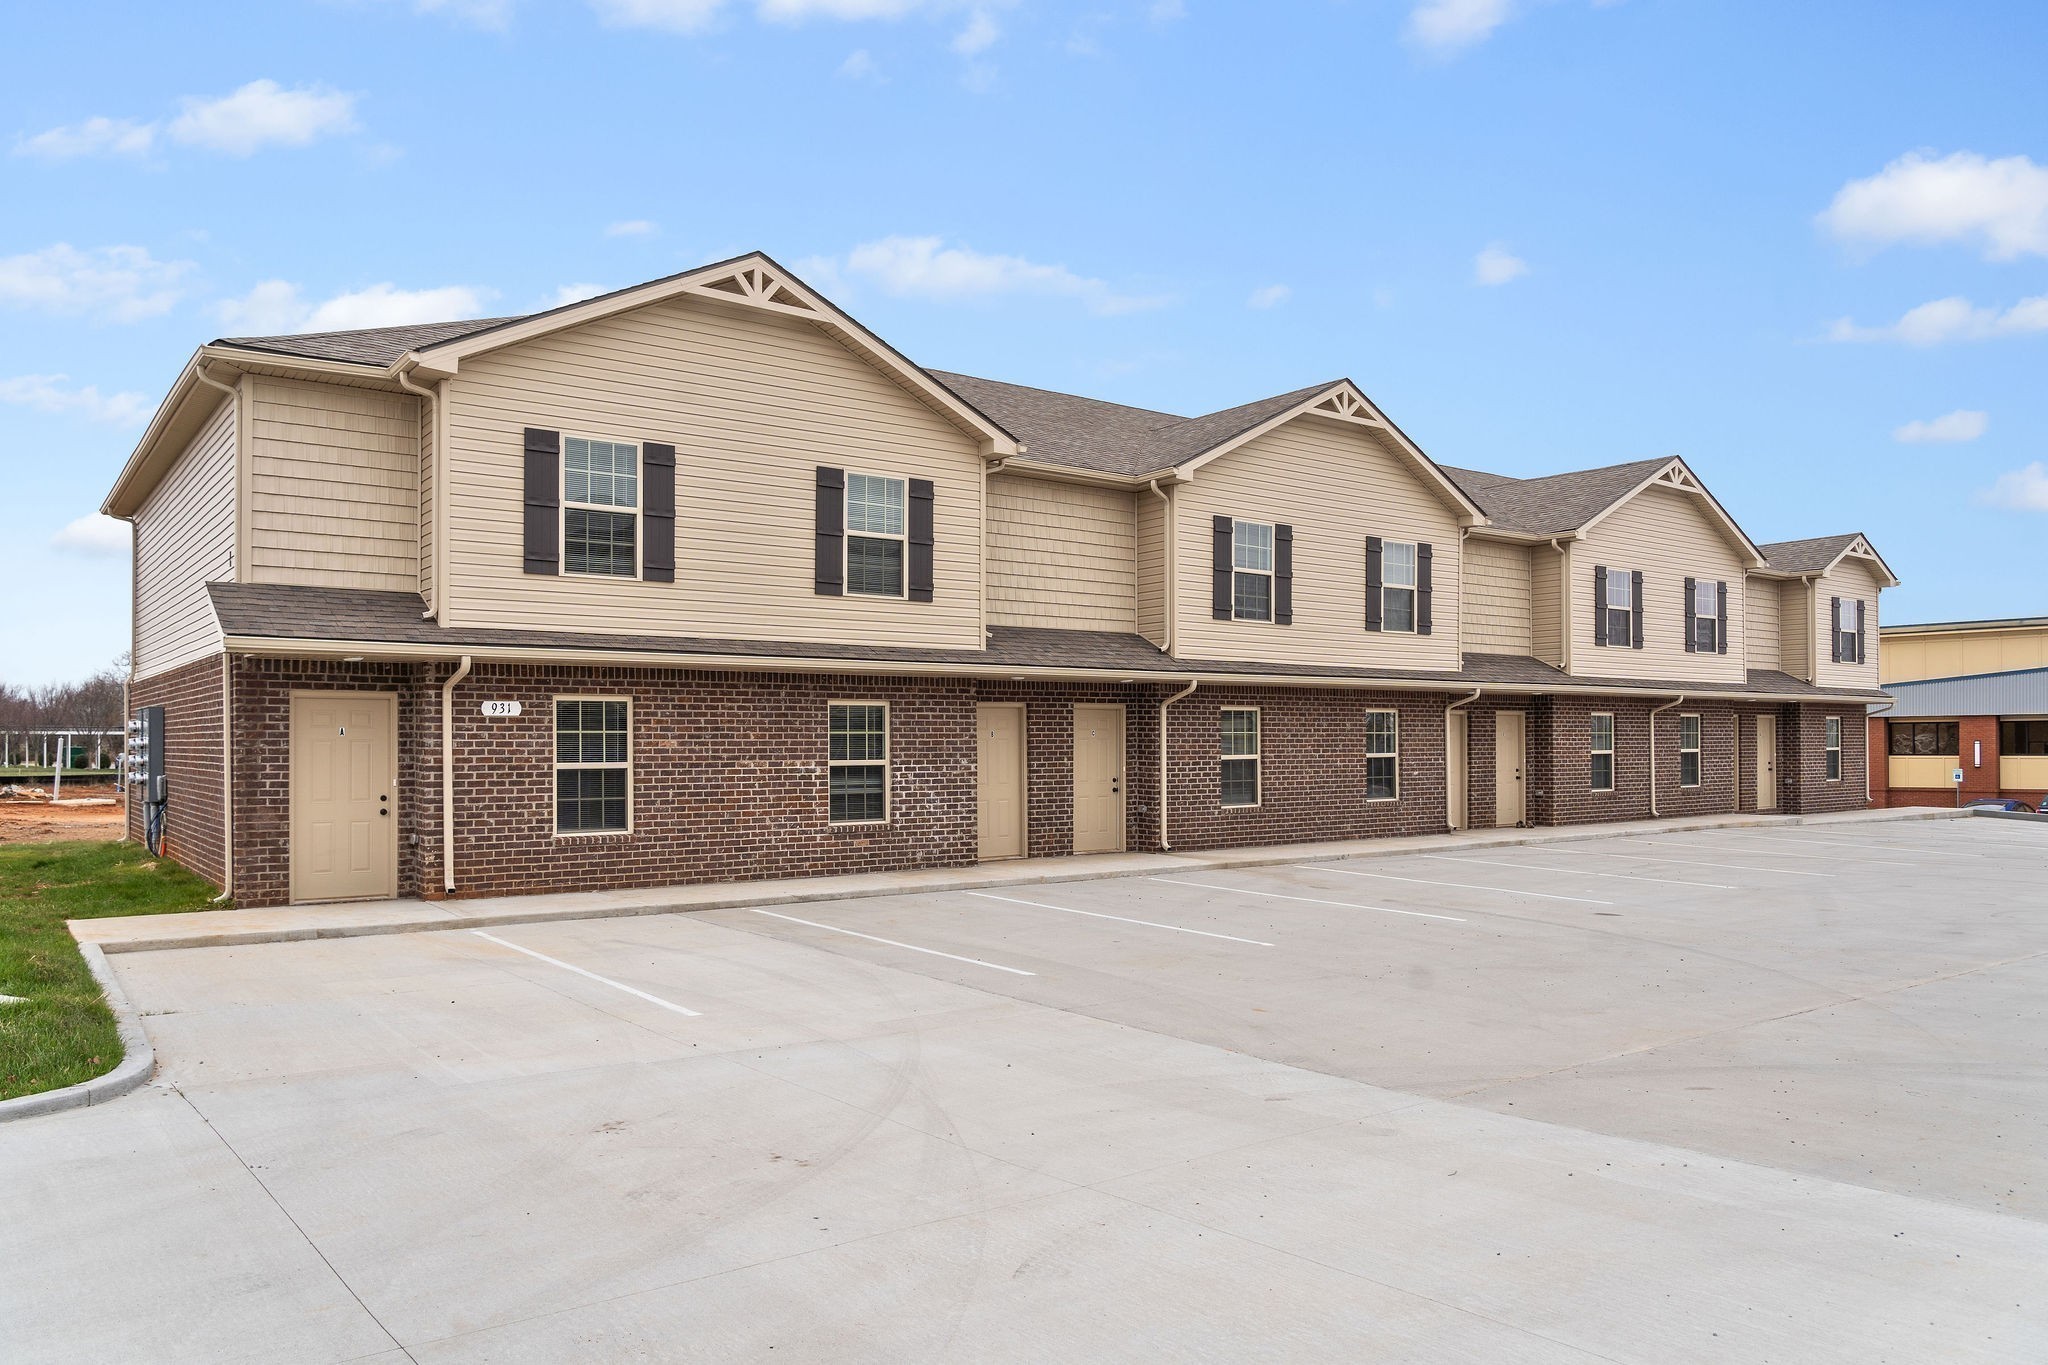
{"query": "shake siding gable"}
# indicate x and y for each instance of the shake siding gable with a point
(1498, 596)
(185, 539)
(1667, 536)
(428, 413)
(1061, 554)
(754, 403)
(1335, 484)
(1851, 580)
(1760, 623)
(1796, 637)
(334, 488)
(1151, 566)
(1546, 603)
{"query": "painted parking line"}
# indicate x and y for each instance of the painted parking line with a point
(605, 980)
(1575, 871)
(1306, 900)
(893, 943)
(1863, 847)
(1121, 919)
(1464, 886)
(1695, 862)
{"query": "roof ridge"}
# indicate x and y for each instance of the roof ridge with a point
(942, 375)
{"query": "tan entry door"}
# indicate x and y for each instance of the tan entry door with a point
(1510, 767)
(344, 819)
(1098, 779)
(1766, 762)
(1455, 728)
(999, 778)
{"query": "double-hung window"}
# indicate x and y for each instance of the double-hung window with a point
(1602, 742)
(1251, 578)
(1845, 629)
(1240, 751)
(600, 507)
(1397, 586)
(859, 760)
(593, 765)
(1382, 755)
(1688, 751)
(874, 535)
(1834, 745)
(1706, 618)
(1620, 607)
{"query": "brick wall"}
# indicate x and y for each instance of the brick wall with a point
(191, 698)
(1049, 758)
(1802, 762)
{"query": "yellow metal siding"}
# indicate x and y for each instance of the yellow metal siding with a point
(1061, 554)
(1151, 566)
(1852, 578)
(185, 539)
(1923, 771)
(1668, 536)
(1908, 658)
(1760, 619)
(334, 489)
(1497, 597)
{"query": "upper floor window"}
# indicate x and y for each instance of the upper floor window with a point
(1601, 740)
(1913, 738)
(1688, 751)
(1620, 606)
(1251, 578)
(1397, 585)
(875, 536)
(1845, 629)
(1240, 747)
(1834, 748)
(600, 507)
(1706, 618)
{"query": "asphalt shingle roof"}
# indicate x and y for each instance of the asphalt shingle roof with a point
(369, 346)
(1555, 503)
(1805, 556)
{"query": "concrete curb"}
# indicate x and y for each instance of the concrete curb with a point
(747, 894)
(138, 1061)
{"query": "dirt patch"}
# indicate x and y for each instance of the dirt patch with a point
(39, 822)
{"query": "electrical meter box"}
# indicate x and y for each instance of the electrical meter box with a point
(149, 759)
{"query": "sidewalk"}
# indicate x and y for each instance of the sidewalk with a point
(230, 928)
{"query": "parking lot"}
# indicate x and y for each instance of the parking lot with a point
(1745, 1094)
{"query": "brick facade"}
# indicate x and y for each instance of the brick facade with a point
(193, 834)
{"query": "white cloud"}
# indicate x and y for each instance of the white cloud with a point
(631, 227)
(46, 393)
(95, 536)
(796, 11)
(1272, 296)
(979, 36)
(116, 283)
(1960, 425)
(567, 294)
(2001, 206)
(2021, 490)
(1497, 265)
(674, 16)
(276, 306)
(1447, 27)
(94, 137)
(859, 66)
(1166, 11)
(264, 114)
(925, 267)
(1951, 319)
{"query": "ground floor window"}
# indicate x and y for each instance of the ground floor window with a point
(593, 765)
(1601, 738)
(1915, 737)
(1834, 748)
(1240, 755)
(1688, 751)
(859, 762)
(1382, 756)
(2021, 739)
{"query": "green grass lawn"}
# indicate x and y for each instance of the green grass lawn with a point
(65, 1034)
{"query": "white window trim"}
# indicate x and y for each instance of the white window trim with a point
(1272, 578)
(638, 509)
(888, 762)
(1413, 587)
(1592, 749)
(1395, 755)
(1698, 751)
(555, 749)
(846, 535)
(1257, 757)
(1831, 743)
(1628, 581)
(1844, 642)
(1712, 587)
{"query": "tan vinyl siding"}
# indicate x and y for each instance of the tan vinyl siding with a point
(1546, 604)
(1151, 581)
(1795, 645)
(753, 402)
(1335, 484)
(185, 539)
(1061, 554)
(1669, 536)
(1762, 611)
(1497, 597)
(1851, 579)
(428, 413)
(334, 488)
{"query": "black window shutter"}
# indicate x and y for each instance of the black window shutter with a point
(1219, 568)
(1425, 589)
(543, 501)
(1691, 619)
(1834, 629)
(921, 540)
(1283, 575)
(1599, 604)
(1375, 579)
(1859, 630)
(830, 574)
(658, 513)
(1721, 618)
(1635, 618)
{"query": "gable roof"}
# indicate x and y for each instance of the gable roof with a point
(1555, 503)
(1820, 554)
(370, 346)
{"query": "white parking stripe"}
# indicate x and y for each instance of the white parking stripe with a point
(1576, 871)
(872, 938)
(1121, 919)
(1833, 858)
(572, 967)
(1307, 900)
(1695, 862)
(1864, 848)
(1464, 886)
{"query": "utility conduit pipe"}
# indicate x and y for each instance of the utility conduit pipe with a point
(1166, 844)
(1655, 712)
(448, 773)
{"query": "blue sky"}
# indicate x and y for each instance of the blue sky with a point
(1543, 234)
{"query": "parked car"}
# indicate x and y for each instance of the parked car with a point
(1998, 803)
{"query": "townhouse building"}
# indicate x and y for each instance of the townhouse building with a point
(703, 580)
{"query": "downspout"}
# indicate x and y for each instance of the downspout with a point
(1466, 780)
(1166, 844)
(1655, 712)
(1168, 588)
(227, 729)
(404, 378)
(1869, 758)
(448, 774)
(1564, 592)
